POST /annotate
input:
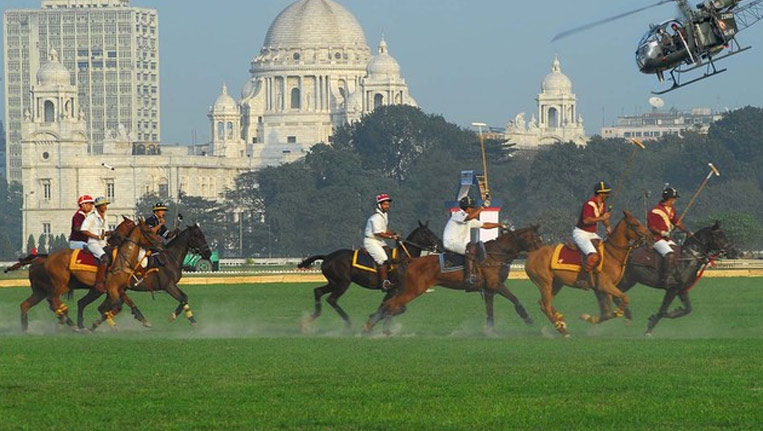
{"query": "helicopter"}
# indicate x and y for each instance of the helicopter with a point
(701, 37)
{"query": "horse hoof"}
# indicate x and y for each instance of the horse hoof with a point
(194, 324)
(529, 321)
(173, 316)
(567, 336)
(146, 324)
(648, 334)
(387, 332)
(628, 322)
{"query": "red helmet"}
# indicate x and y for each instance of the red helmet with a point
(85, 199)
(382, 197)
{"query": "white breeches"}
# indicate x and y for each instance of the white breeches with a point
(77, 245)
(376, 249)
(96, 249)
(456, 245)
(582, 239)
(663, 247)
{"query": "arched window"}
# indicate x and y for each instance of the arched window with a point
(378, 100)
(141, 149)
(229, 130)
(295, 102)
(220, 130)
(68, 108)
(553, 118)
(152, 149)
(49, 112)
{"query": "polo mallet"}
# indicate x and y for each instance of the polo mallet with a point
(713, 171)
(636, 145)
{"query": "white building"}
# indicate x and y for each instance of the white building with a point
(557, 117)
(112, 52)
(314, 73)
(656, 123)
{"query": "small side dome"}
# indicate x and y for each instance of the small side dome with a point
(225, 101)
(53, 72)
(383, 65)
(556, 81)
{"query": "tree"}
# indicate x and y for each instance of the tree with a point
(42, 243)
(744, 230)
(30, 244)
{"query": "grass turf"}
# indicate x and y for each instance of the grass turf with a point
(247, 366)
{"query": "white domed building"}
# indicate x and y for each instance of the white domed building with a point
(557, 119)
(314, 73)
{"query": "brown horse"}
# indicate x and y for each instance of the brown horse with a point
(628, 233)
(424, 272)
(51, 277)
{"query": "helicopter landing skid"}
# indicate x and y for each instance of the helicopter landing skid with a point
(710, 69)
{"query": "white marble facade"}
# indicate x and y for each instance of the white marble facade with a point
(557, 119)
(314, 73)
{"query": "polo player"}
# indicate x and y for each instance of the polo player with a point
(661, 221)
(594, 211)
(375, 234)
(157, 223)
(96, 229)
(77, 239)
(457, 236)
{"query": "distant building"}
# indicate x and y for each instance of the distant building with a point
(655, 124)
(112, 52)
(3, 172)
(557, 119)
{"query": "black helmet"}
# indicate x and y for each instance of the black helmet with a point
(669, 192)
(466, 202)
(601, 187)
(159, 206)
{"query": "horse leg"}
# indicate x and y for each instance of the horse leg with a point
(670, 295)
(683, 310)
(395, 305)
(518, 307)
(625, 285)
(30, 302)
(106, 311)
(488, 296)
(173, 290)
(387, 324)
(86, 300)
(134, 309)
(318, 293)
(61, 310)
(607, 287)
(333, 302)
(549, 287)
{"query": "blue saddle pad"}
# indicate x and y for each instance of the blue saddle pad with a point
(450, 262)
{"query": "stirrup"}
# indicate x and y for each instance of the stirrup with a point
(387, 285)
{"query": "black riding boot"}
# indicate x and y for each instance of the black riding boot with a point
(668, 268)
(584, 276)
(384, 283)
(100, 275)
(470, 267)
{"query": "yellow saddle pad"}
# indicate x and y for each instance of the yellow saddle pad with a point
(365, 262)
(567, 259)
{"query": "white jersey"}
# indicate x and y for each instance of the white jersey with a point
(457, 232)
(96, 225)
(377, 223)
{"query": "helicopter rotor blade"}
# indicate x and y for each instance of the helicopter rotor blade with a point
(606, 20)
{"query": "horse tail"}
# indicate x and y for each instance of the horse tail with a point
(309, 261)
(24, 261)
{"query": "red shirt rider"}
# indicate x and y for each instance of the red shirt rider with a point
(594, 210)
(79, 216)
(662, 218)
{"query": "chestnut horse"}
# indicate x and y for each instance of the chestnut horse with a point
(51, 277)
(628, 234)
(338, 270)
(424, 272)
(164, 277)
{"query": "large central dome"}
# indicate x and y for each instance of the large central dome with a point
(315, 24)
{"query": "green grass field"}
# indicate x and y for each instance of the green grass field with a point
(248, 367)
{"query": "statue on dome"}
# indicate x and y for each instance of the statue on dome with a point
(532, 126)
(519, 122)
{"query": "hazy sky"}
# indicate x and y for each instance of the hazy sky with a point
(469, 60)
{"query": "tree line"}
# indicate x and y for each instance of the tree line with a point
(320, 203)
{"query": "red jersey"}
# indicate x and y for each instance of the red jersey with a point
(76, 234)
(662, 218)
(591, 208)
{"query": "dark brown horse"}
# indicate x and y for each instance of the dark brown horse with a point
(338, 269)
(50, 276)
(644, 266)
(628, 233)
(424, 272)
(164, 277)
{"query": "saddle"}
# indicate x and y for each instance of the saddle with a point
(567, 257)
(451, 261)
(83, 260)
(363, 261)
(648, 257)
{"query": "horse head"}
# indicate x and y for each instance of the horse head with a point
(630, 231)
(197, 241)
(119, 234)
(145, 237)
(424, 238)
(513, 242)
(711, 240)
